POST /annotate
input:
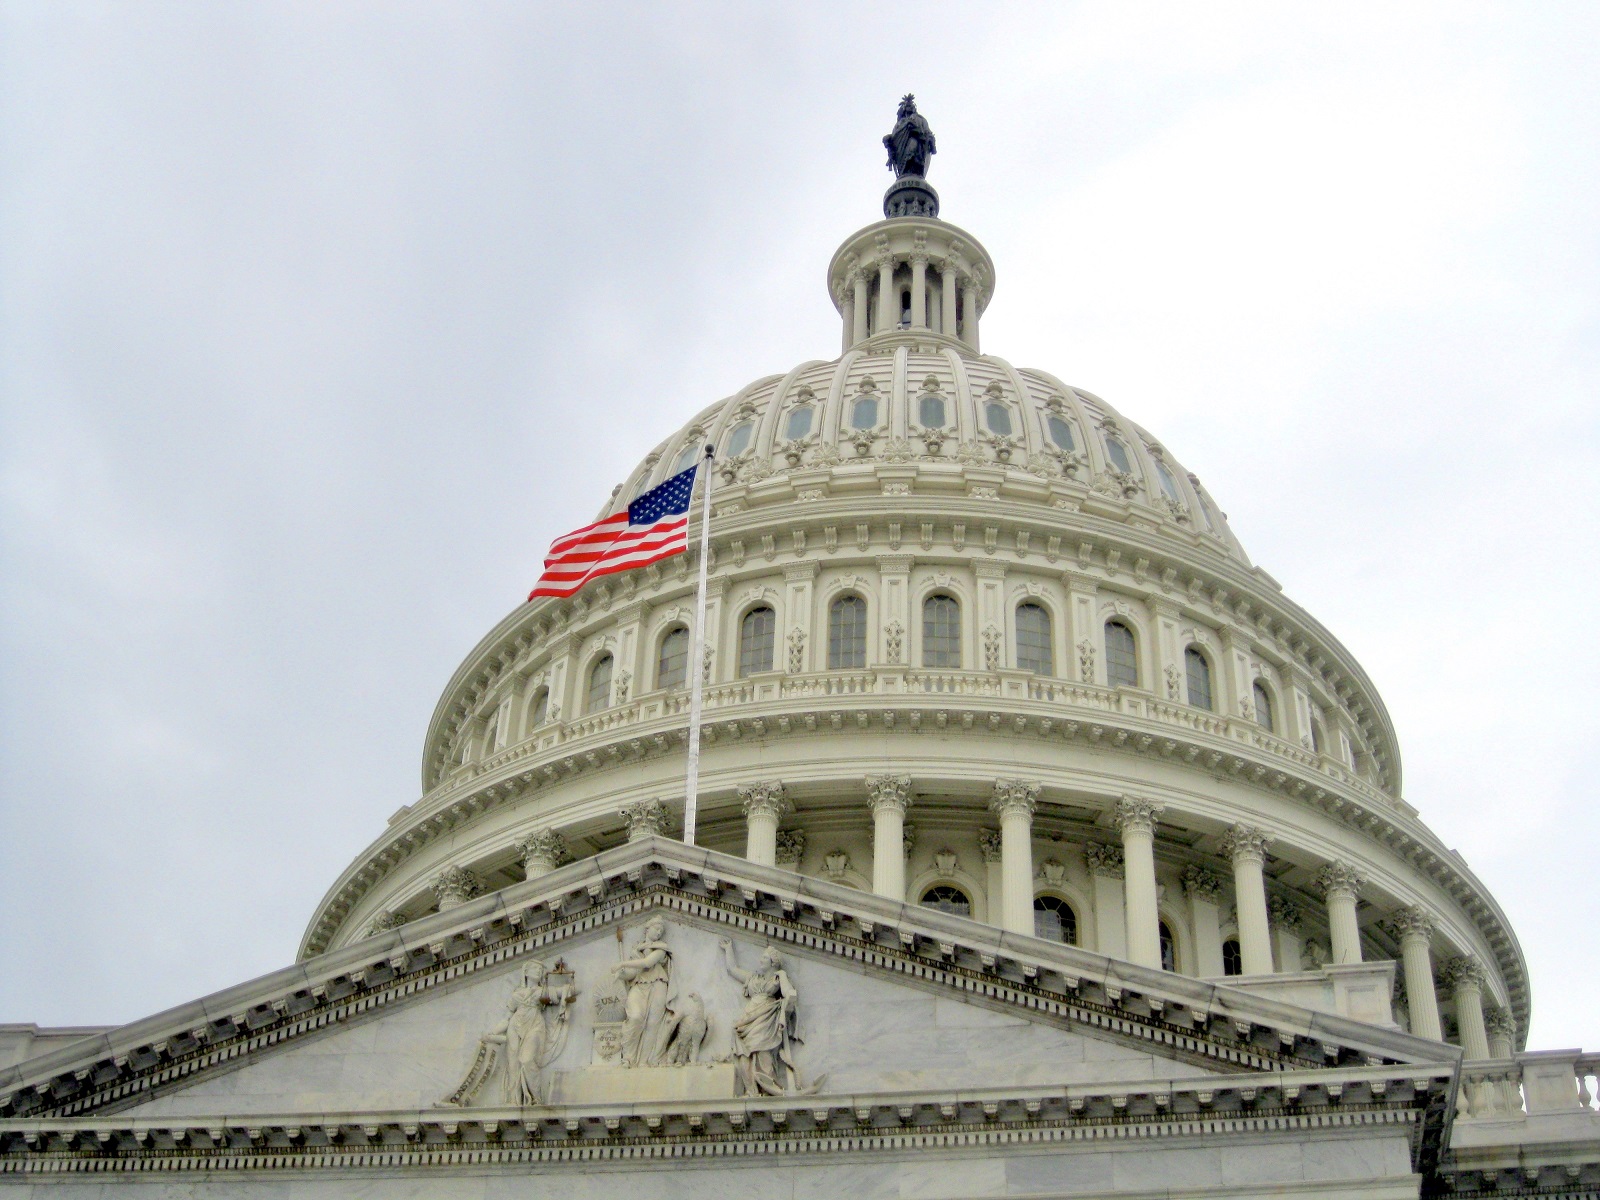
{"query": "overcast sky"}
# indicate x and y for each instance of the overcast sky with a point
(318, 321)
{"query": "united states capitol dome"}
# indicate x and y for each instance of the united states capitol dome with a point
(975, 641)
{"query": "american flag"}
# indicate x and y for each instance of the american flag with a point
(655, 526)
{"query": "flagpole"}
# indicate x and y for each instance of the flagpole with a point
(697, 655)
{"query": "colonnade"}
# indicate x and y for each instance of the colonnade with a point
(955, 286)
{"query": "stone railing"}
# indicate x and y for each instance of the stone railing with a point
(1542, 1083)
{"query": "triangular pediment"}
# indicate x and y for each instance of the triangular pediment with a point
(887, 998)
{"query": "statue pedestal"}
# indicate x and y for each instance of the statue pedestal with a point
(911, 196)
(623, 1085)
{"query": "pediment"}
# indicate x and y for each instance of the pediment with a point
(887, 998)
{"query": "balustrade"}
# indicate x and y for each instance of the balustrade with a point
(1532, 1084)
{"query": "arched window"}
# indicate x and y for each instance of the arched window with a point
(1060, 433)
(1263, 704)
(739, 439)
(1232, 957)
(998, 417)
(799, 422)
(930, 410)
(941, 632)
(672, 665)
(947, 899)
(756, 633)
(1169, 485)
(1122, 657)
(905, 308)
(541, 709)
(1054, 920)
(1033, 640)
(864, 413)
(1318, 740)
(687, 457)
(1118, 454)
(847, 633)
(1169, 948)
(491, 735)
(1198, 671)
(599, 693)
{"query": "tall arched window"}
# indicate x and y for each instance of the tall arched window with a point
(1198, 671)
(1169, 948)
(739, 440)
(847, 633)
(756, 633)
(1060, 433)
(1169, 485)
(672, 665)
(687, 457)
(1118, 454)
(1122, 656)
(1263, 703)
(947, 899)
(1033, 640)
(1054, 920)
(599, 694)
(941, 632)
(541, 709)
(1232, 957)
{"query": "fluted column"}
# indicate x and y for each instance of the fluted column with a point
(1247, 847)
(1110, 916)
(888, 309)
(1502, 1028)
(919, 291)
(861, 311)
(645, 818)
(1284, 918)
(542, 852)
(1415, 930)
(1136, 818)
(1205, 902)
(847, 309)
(947, 311)
(969, 312)
(454, 886)
(1340, 883)
(1014, 802)
(764, 805)
(889, 796)
(994, 880)
(1464, 976)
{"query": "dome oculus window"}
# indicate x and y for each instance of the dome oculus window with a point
(672, 665)
(798, 423)
(998, 417)
(1122, 656)
(598, 696)
(931, 410)
(1118, 454)
(1034, 651)
(756, 635)
(1061, 434)
(864, 413)
(947, 899)
(847, 634)
(1054, 920)
(739, 439)
(941, 632)
(1198, 673)
(1263, 706)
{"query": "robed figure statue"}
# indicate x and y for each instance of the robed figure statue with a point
(910, 143)
(533, 1033)
(765, 1034)
(647, 973)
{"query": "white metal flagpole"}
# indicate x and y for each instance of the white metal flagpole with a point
(697, 657)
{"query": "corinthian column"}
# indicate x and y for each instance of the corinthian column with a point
(1415, 930)
(541, 853)
(1110, 916)
(1247, 847)
(1014, 802)
(1205, 898)
(919, 291)
(1339, 882)
(1464, 976)
(888, 302)
(454, 886)
(889, 796)
(1136, 819)
(764, 805)
(646, 818)
(860, 282)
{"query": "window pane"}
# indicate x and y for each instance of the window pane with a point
(686, 459)
(998, 417)
(1317, 740)
(947, 899)
(865, 413)
(1054, 920)
(1263, 706)
(599, 685)
(672, 668)
(541, 709)
(1118, 455)
(1232, 958)
(1169, 949)
(799, 423)
(740, 441)
(1169, 485)
(1033, 640)
(1061, 434)
(930, 411)
(941, 632)
(755, 641)
(847, 633)
(1122, 662)
(1199, 672)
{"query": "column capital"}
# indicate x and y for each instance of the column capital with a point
(1103, 860)
(1463, 973)
(1134, 814)
(764, 799)
(791, 847)
(1201, 884)
(382, 921)
(1014, 796)
(1411, 922)
(1339, 878)
(1245, 843)
(1284, 914)
(1500, 1023)
(646, 818)
(455, 885)
(889, 792)
(546, 847)
(989, 845)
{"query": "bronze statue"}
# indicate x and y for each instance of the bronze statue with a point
(910, 143)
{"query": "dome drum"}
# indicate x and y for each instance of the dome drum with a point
(911, 274)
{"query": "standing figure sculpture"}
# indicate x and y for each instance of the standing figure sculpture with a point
(910, 143)
(648, 976)
(533, 1033)
(764, 1033)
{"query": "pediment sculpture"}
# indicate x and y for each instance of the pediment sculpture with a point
(529, 1038)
